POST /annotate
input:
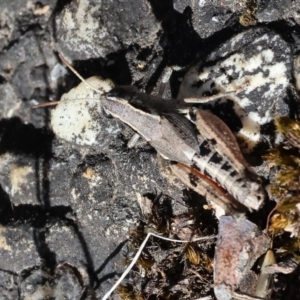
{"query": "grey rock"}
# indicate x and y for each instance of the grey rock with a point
(272, 10)
(87, 29)
(259, 62)
(8, 285)
(211, 16)
(66, 282)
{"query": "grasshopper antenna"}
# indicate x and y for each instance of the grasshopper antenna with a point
(52, 103)
(77, 74)
(45, 104)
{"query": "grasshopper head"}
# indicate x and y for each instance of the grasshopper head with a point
(125, 92)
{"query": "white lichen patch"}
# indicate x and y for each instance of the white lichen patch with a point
(92, 29)
(18, 177)
(57, 72)
(257, 68)
(84, 23)
(3, 242)
(77, 118)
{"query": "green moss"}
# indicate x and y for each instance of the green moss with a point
(285, 188)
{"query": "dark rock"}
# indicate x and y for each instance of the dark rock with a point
(66, 211)
(88, 29)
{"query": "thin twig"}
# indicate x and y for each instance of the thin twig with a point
(272, 211)
(128, 268)
(136, 257)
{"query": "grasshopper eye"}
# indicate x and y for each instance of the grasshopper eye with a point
(116, 92)
(124, 92)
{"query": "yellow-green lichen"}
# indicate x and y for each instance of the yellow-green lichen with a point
(248, 16)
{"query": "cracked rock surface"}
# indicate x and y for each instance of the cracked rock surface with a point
(67, 211)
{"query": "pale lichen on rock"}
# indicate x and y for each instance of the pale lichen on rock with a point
(257, 64)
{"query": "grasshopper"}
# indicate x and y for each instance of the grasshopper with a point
(203, 154)
(175, 138)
